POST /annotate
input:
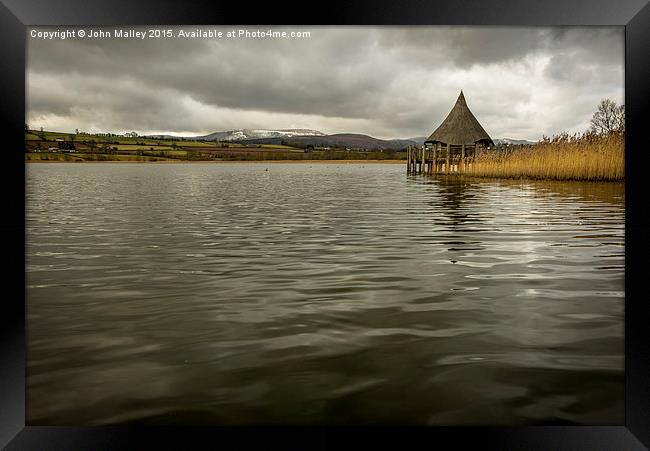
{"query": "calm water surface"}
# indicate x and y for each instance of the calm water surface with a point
(320, 293)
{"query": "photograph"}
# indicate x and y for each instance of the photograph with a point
(325, 225)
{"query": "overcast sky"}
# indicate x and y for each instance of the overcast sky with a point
(387, 82)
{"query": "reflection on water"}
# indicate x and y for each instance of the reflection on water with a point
(324, 293)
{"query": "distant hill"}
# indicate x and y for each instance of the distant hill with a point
(339, 140)
(301, 137)
(511, 142)
(163, 137)
(419, 140)
(247, 134)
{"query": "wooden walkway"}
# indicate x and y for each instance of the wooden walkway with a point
(441, 160)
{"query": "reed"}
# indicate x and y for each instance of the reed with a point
(563, 157)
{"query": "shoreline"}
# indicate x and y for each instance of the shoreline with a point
(486, 178)
(227, 161)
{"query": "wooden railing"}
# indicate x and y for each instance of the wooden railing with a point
(440, 160)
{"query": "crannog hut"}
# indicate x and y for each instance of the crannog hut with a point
(454, 144)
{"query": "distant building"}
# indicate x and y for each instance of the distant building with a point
(453, 146)
(66, 146)
(459, 131)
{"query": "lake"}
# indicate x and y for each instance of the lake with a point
(300, 293)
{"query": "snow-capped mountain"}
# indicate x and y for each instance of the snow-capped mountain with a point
(314, 137)
(242, 134)
(511, 142)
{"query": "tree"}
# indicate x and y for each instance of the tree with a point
(608, 117)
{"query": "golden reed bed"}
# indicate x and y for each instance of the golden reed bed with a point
(564, 157)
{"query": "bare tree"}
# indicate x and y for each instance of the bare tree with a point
(608, 117)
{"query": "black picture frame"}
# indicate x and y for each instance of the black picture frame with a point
(634, 15)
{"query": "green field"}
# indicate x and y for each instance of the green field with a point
(35, 135)
(138, 143)
(81, 157)
(140, 147)
(119, 148)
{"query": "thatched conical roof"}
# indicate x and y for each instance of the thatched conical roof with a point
(460, 127)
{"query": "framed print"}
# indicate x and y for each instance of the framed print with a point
(381, 225)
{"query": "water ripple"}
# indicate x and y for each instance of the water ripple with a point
(335, 293)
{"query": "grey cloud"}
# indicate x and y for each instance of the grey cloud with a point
(464, 46)
(264, 75)
(399, 82)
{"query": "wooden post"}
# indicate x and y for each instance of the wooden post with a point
(461, 165)
(415, 160)
(433, 160)
(408, 158)
(424, 162)
(436, 156)
(447, 168)
(424, 159)
(473, 163)
(469, 158)
(412, 160)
